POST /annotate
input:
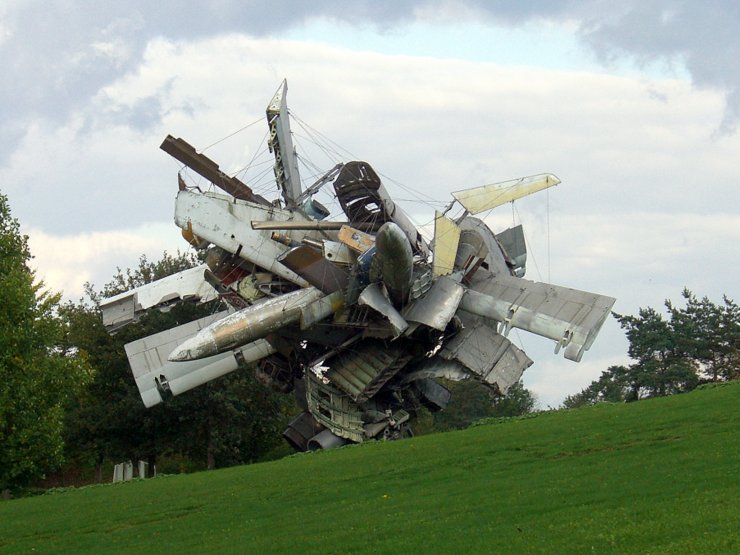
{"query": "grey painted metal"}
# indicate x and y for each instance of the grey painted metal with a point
(434, 393)
(437, 307)
(362, 371)
(571, 317)
(300, 430)
(493, 257)
(338, 253)
(512, 240)
(438, 367)
(246, 325)
(334, 409)
(325, 440)
(280, 143)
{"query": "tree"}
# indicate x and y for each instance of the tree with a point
(612, 386)
(228, 421)
(709, 334)
(699, 342)
(36, 376)
(471, 401)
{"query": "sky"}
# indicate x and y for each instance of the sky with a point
(633, 105)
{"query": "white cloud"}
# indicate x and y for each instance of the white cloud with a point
(67, 262)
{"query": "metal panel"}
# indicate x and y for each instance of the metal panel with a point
(488, 355)
(311, 265)
(373, 297)
(280, 143)
(185, 153)
(337, 252)
(446, 240)
(124, 308)
(355, 239)
(438, 306)
(512, 240)
(222, 222)
(480, 199)
(363, 370)
(571, 317)
(153, 372)
(334, 409)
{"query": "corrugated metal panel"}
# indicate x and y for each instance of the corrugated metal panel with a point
(363, 371)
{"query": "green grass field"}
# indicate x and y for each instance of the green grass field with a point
(657, 476)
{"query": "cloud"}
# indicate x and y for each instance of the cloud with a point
(702, 36)
(609, 138)
(55, 69)
(67, 262)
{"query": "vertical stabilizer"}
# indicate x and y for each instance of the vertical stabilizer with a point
(281, 145)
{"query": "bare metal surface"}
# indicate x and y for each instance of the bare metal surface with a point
(571, 317)
(221, 222)
(438, 306)
(153, 372)
(352, 310)
(488, 355)
(280, 142)
(374, 297)
(127, 307)
(246, 325)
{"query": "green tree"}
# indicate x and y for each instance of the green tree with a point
(695, 343)
(471, 401)
(708, 334)
(612, 386)
(231, 420)
(36, 375)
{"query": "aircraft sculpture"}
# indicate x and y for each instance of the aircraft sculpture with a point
(358, 316)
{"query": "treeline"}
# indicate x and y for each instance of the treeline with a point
(697, 343)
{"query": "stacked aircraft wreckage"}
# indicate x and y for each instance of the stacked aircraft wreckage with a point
(358, 317)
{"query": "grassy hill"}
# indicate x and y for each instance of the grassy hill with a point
(657, 476)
